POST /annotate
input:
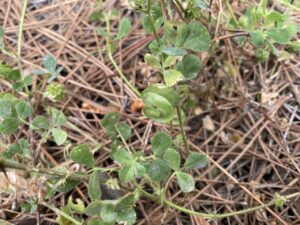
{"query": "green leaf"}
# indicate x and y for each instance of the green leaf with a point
(172, 157)
(182, 32)
(122, 156)
(60, 136)
(128, 216)
(172, 77)
(257, 38)
(195, 161)
(126, 174)
(82, 155)
(170, 61)
(201, 4)
(94, 190)
(279, 200)
(14, 75)
(189, 66)
(41, 122)
(170, 31)
(167, 92)
(124, 28)
(130, 171)
(24, 145)
(78, 206)
(6, 108)
(110, 120)
(50, 63)
(198, 37)
(126, 202)
(152, 61)
(138, 169)
(5, 70)
(274, 17)
(125, 130)
(108, 213)
(279, 35)
(160, 143)
(93, 208)
(146, 22)
(157, 107)
(58, 118)
(185, 182)
(12, 150)
(173, 51)
(159, 170)
(9, 125)
(23, 109)
(67, 185)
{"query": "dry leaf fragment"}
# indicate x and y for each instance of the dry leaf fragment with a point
(136, 106)
(208, 123)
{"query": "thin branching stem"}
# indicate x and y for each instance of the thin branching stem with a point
(186, 146)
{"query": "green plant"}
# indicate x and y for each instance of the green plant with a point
(174, 54)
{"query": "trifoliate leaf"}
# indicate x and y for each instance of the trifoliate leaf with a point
(82, 155)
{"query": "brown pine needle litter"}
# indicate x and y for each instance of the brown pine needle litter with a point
(249, 124)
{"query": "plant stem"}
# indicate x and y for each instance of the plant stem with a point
(7, 163)
(224, 215)
(186, 146)
(231, 12)
(152, 25)
(180, 6)
(109, 52)
(20, 35)
(62, 213)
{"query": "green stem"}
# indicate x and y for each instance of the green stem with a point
(214, 215)
(20, 35)
(62, 213)
(8, 163)
(231, 12)
(108, 47)
(152, 25)
(288, 5)
(180, 6)
(186, 146)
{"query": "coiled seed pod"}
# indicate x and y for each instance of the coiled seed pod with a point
(159, 103)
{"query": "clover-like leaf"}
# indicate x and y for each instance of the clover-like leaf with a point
(93, 208)
(126, 174)
(195, 161)
(94, 190)
(160, 143)
(124, 129)
(185, 182)
(23, 109)
(60, 136)
(172, 77)
(128, 215)
(9, 125)
(110, 120)
(41, 122)
(82, 155)
(122, 156)
(124, 28)
(157, 107)
(159, 170)
(198, 37)
(58, 118)
(189, 66)
(172, 157)
(108, 212)
(173, 51)
(50, 63)
(152, 61)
